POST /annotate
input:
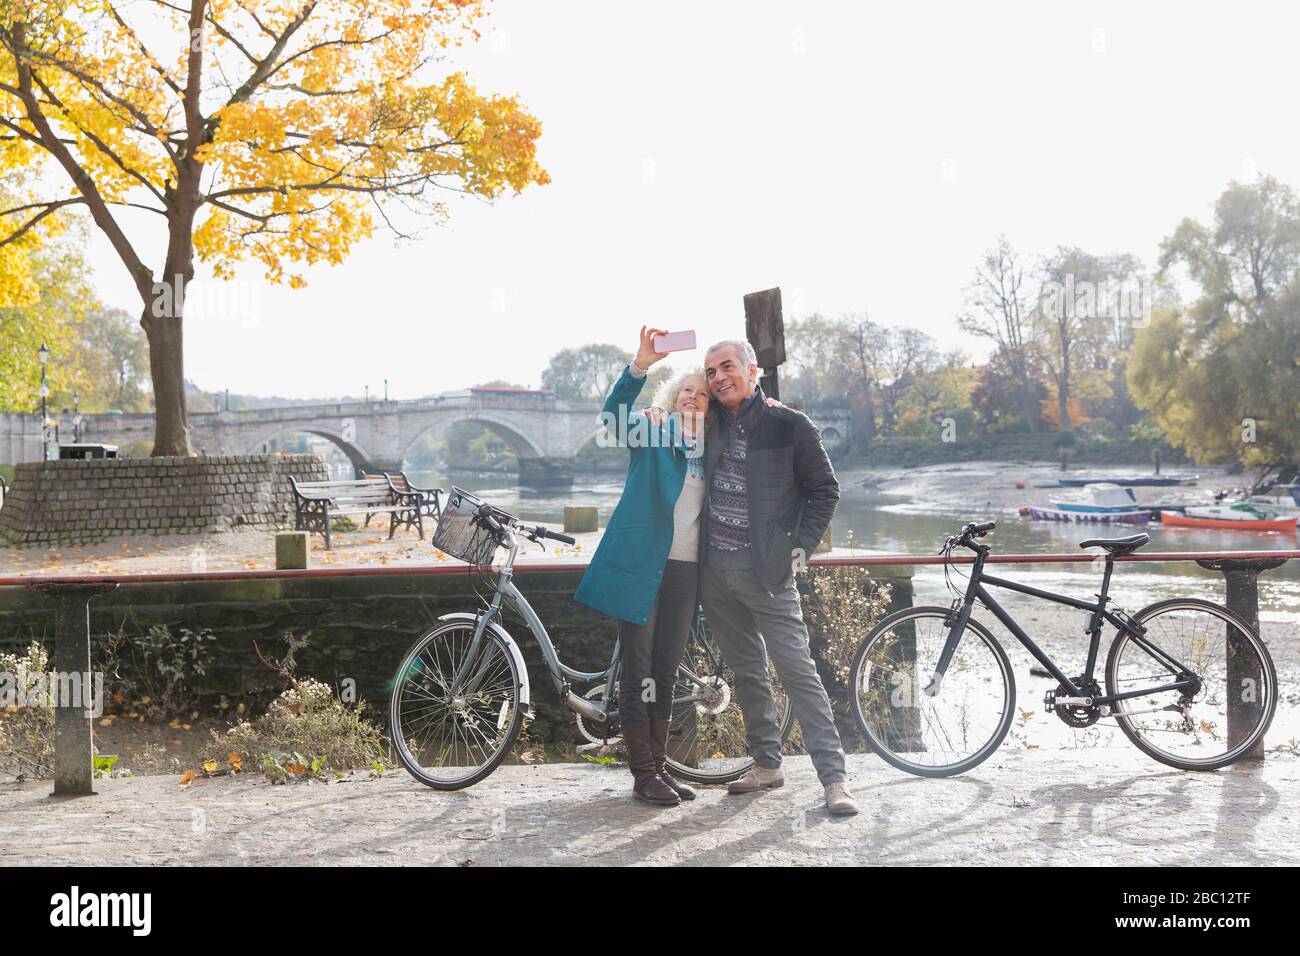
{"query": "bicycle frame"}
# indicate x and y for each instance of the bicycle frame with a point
(976, 590)
(506, 593)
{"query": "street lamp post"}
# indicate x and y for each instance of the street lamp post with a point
(76, 416)
(43, 355)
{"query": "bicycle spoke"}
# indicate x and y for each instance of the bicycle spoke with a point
(926, 732)
(1210, 723)
(451, 737)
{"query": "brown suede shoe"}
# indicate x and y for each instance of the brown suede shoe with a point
(646, 785)
(758, 778)
(659, 750)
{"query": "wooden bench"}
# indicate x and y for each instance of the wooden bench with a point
(402, 485)
(315, 502)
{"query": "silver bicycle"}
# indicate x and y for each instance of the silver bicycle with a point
(462, 691)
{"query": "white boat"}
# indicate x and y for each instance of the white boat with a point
(1103, 497)
(1280, 499)
(1099, 503)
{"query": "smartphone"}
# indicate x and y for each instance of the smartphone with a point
(675, 341)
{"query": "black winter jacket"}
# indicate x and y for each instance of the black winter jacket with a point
(789, 481)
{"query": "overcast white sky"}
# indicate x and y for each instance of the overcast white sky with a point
(858, 156)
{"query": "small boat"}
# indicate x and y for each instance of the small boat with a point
(1238, 517)
(1103, 497)
(1283, 499)
(1100, 503)
(1130, 481)
(1088, 517)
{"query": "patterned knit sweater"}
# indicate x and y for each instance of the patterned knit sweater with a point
(729, 499)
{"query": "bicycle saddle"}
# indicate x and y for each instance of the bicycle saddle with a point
(1118, 545)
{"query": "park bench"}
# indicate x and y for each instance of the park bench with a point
(402, 485)
(315, 502)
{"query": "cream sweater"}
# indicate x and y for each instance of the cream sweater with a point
(686, 513)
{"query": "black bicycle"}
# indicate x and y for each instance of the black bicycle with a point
(1189, 682)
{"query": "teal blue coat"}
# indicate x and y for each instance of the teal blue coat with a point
(628, 566)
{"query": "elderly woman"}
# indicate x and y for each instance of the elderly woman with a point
(645, 571)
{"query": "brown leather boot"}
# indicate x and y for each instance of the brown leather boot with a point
(646, 784)
(659, 749)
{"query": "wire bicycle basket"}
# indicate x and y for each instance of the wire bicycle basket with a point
(460, 536)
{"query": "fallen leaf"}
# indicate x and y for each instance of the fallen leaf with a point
(187, 778)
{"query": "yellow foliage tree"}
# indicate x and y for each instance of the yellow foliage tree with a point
(272, 130)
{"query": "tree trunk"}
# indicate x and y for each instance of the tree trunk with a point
(1063, 393)
(1021, 369)
(167, 367)
(163, 323)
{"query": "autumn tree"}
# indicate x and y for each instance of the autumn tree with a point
(109, 362)
(999, 307)
(273, 130)
(585, 373)
(45, 307)
(1083, 300)
(1222, 377)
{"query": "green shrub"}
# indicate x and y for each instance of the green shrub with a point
(155, 673)
(26, 732)
(306, 732)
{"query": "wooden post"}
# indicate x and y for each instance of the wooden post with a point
(765, 331)
(74, 687)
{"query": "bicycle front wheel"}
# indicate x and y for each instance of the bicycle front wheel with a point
(448, 740)
(927, 727)
(706, 739)
(1226, 712)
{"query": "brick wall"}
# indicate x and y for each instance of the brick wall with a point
(79, 501)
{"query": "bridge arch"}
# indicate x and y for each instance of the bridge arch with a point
(358, 456)
(500, 425)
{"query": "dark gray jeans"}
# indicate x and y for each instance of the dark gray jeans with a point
(651, 651)
(745, 618)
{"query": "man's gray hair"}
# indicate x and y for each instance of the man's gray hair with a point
(743, 349)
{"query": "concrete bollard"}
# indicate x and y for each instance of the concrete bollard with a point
(579, 520)
(291, 551)
(74, 763)
(1242, 577)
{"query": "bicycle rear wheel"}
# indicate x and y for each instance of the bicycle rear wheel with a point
(1224, 716)
(706, 740)
(448, 741)
(926, 730)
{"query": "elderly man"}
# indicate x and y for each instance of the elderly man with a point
(771, 494)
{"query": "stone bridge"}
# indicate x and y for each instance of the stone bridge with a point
(545, 433)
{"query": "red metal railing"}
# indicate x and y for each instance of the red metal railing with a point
(390, 570)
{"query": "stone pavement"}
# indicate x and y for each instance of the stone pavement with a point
(1023, 807)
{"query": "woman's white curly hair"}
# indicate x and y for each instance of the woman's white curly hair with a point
(666, 396)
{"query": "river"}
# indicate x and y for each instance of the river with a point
(910, 511)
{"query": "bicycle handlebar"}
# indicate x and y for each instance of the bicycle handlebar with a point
(971, 530)
(485, 515)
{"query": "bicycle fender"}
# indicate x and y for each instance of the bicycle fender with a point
(510, 644)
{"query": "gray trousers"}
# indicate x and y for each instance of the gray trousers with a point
(744, 618)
